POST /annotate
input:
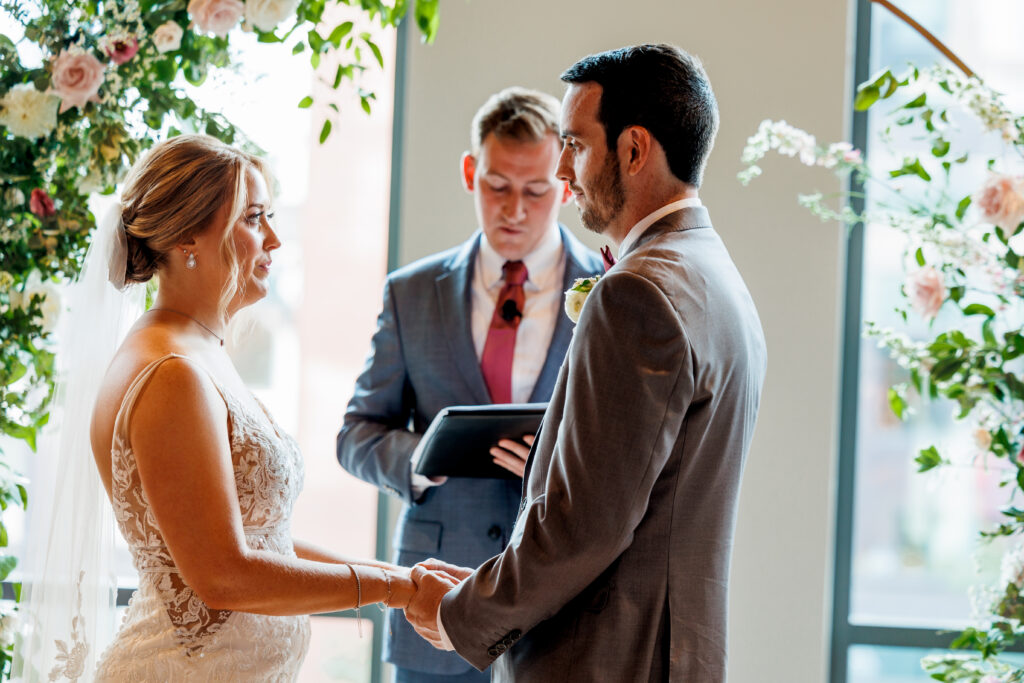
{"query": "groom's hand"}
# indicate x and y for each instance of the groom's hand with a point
(431, 587)
(456, 572)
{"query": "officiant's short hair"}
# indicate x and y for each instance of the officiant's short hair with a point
(661, 88)
(518, 114)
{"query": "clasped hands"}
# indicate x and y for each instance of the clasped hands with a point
(433, 579)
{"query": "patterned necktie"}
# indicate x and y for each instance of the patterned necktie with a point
(500, 347)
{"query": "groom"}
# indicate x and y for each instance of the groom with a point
(619, 559)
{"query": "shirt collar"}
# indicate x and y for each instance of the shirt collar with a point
(650, 219)
(540, 263)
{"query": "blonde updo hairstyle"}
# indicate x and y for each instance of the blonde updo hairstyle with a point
(174, 193)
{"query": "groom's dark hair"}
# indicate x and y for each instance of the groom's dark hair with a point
(661, 88)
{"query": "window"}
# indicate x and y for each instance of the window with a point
(907, 544)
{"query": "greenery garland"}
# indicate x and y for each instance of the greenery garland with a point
(111, 81)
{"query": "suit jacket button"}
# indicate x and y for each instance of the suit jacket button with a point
(493, 652)
(501, 647)
(515, 634)
(494, 533)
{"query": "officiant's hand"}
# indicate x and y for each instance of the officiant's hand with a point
(421, 612)
(512, 455)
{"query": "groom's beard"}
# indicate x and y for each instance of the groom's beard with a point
(606, 198)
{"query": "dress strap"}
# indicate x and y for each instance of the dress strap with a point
(140, 382)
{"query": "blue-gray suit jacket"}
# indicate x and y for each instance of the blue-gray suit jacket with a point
(422, 359)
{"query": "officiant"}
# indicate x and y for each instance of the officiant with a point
(477, 324)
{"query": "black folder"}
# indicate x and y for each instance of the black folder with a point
(459, 440)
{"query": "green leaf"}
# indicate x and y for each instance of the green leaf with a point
(919, 256)
(961, 208)
(299, 47)
(325, 131)
(306, 102)
(315, 41)
(365, 103)
(897, 403)
(7, 565)
(376, 52)
(866, 96)
(911, 167)
(428, 18)
(940, 148)
(916, 103)
(979, 309)
(927, 459)
(339, 33)
(268, 37)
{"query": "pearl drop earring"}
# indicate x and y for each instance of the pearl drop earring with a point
(190, 262)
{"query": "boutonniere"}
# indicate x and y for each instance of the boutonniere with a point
(576, 295)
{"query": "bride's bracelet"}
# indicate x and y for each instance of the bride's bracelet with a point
(387, 601)
(359, 600)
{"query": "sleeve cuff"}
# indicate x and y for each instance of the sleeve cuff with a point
(446, 643)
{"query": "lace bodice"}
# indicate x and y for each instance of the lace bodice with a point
(268, 475)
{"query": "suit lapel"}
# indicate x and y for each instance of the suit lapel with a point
(454, 301)
(562, 335)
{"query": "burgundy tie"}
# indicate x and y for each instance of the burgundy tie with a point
(606, 256)
(500, 347)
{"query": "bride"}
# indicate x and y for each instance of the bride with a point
(200, 477)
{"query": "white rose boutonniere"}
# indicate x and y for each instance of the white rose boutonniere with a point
(576, 295)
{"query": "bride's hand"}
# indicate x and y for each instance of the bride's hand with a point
(454, 571)
(402, 587)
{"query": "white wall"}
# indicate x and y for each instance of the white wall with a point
(784, 59)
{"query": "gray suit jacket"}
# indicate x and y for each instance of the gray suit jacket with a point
(618, 562)
(422, 359)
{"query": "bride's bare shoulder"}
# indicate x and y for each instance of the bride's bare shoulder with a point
(144, 346)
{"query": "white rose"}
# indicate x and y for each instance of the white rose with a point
(8, 628)
(28, 112)
(14, 197)
(267, 14)
(167, 36)
(50, 307)
(91, 182)
(574, 300)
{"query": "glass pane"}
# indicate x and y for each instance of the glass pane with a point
(915, 545)
(875, 664)
(338, 653)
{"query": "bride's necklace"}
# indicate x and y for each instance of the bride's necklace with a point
(171, 310)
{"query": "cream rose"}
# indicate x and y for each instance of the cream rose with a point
(926, 291)
(50, 307)
(14, 197)
(216, 16)
(982, 439)
(77, 77)
(27, 112)
(574, 301)
(167, 36)
(1001, 201)
(577, 295)
(267, 14)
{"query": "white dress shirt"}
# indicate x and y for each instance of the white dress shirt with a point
(634, 233)
(545, 268)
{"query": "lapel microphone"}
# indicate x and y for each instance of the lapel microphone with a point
(509, 312)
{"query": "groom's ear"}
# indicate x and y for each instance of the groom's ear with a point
(468, 171)
(635, 148)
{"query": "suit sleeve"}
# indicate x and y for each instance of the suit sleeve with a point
(628, 384)
(375, 443)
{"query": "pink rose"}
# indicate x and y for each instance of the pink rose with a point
(216, 16)
(123, 50)
(926, 291)
(40, 203)
(77, 77)
(1001, 202)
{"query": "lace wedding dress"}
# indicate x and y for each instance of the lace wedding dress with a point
(168, 633)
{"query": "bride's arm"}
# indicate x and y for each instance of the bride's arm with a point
(179, 437)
